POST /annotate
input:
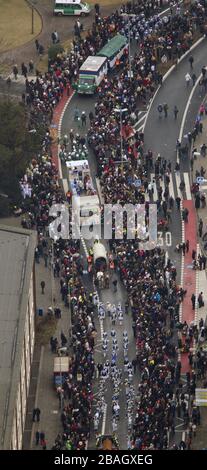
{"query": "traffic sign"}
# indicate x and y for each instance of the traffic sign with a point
(164, 59)
(201, 180)
(137, 183)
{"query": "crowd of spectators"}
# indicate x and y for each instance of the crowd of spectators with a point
(153, 293)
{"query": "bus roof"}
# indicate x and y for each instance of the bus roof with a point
(113, 46)
(92, 64)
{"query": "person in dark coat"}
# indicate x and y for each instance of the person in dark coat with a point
(37, 438)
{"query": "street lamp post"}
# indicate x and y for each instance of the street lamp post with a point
(130, 61)
(32, 7)
(120, 111)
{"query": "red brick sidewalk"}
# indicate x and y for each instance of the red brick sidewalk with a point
(58, 111)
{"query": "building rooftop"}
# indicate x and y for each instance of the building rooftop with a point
(16, 264)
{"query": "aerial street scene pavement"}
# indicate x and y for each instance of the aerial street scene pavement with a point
(103, 228)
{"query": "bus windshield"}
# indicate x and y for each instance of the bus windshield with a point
(86, 81)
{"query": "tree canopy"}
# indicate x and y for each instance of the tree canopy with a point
(17, 147)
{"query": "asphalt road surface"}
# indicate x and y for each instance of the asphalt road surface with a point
(160, 136)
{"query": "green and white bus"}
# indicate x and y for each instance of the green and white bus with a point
(71, 7)
(91, 74)
(114, 49)
(93, 70)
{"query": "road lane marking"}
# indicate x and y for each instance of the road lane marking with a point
(186, 112)
(140, 120)
(104, 420)
(65, 185)
(187, 186)
(162, 185)
(171, 187)
(178, 180)
(155, 195)
(59, 132)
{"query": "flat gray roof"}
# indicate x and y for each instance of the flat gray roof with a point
(92, 64)
(16, 264)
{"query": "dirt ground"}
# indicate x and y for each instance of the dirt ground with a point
(16, 24)
(63, 25)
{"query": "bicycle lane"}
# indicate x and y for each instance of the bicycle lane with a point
(55, 128)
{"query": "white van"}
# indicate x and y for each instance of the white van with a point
(71, 7)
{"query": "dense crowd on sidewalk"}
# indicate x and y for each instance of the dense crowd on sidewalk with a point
(151, 285)
(76, 395)
(170, 35)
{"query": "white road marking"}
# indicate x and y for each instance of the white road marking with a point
(178, 180)
(183, 436)
(140, 120)
(65, 185)
(182, 269)
(197, 287)
(171, 187)
(104, 420)
(59, 132)
(140, 128)
(187, 186)
(155, 195)
(186, 111)
(99, 190)
(162, 185)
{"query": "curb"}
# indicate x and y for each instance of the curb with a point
(37, 394)
(59, 132)
(186, 112)
(169, 72)
(34, 36)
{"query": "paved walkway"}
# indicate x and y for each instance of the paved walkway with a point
(63, 25)
(202, 213)
(46, 398)
(189, 274)
(200, 440)
(42, 393)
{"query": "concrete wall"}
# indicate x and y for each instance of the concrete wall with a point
(20, 406)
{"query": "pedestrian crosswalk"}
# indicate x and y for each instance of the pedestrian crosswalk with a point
(176, 179)
(139, 125)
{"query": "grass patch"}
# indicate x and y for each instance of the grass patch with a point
(5, 69)
(16, 24)
(42, 64)
(45, 328)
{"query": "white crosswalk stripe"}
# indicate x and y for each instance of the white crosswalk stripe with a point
(140, 123)
(174, 187)
(162, 185)
(65, 185)
(178, 181)
(141, 119)
(171, 187)
(187, 186)
(155, 195)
